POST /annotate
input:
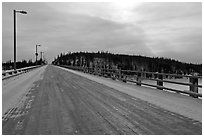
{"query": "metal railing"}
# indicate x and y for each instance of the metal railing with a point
(10, 73)
(139, 76)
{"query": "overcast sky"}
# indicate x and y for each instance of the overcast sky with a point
(171, 30)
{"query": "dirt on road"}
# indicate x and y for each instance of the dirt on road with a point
(15, 88)
(65, 103)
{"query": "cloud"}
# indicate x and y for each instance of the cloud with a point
(162, 11)
(152, 29)
(173, 28)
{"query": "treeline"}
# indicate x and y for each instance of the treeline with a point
(126, 62)
(20, 64)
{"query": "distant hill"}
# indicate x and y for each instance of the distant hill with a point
(127, 62)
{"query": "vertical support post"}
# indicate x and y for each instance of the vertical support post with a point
(125, 79)
(41, 55)
(114, 74)
(139, 79)
(14, 14)
(36, 52)
(160, 83)
(194, 88)
(120, 74)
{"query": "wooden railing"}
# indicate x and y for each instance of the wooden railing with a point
(10, 73)
(139, 76)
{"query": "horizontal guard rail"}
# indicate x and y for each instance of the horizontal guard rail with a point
(178, 91)
(15, 72)
(167, 81)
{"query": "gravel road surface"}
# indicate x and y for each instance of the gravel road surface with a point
(61, 102)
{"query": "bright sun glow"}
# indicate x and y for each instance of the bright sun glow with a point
(124, 11)
(125, 5)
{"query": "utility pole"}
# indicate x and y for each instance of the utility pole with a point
(36, 53)
(14, 15)
(41, 57)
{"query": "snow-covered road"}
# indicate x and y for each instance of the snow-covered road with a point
(13, 89)
(61, 102)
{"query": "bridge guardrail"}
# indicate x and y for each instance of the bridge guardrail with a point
(16, 72)
(138, 76)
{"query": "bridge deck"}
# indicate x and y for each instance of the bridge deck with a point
(62, 102)
(178, 103)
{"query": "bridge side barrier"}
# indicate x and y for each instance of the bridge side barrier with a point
(16, 72)
(138, 76)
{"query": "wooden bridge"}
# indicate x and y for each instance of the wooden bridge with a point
(60, 100)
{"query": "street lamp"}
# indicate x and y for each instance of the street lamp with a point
(14, 13)
(36, 53)
(41, 55)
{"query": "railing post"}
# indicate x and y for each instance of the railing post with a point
(138, 79)
(120, 74)
(194, 88)
(113, 74)
(160, 83)
(124, 78)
